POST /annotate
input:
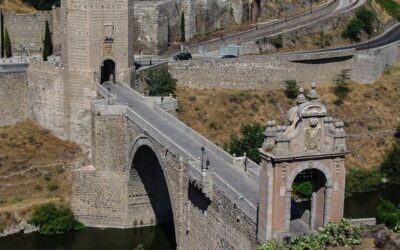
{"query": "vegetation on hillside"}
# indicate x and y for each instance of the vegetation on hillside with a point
(363, 21)
(35, 167)
(371, 180)
(42, 4)
(51, 219)
(291, 89)
(342, 234)
(248, 142)
(342, 89)
(391, 164)
(160, 82)
(392, 7)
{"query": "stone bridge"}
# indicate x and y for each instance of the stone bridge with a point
(150, 168)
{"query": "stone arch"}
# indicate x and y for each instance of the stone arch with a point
(107, 70)
(320, 213)
(136, 148)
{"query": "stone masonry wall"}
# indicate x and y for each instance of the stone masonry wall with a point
(27, 30)
(13, 99)
(256, 72)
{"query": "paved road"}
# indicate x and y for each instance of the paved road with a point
(233, 176)
(13, 68)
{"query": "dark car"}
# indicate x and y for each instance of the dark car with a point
(229, 56)
(183, 56)
(137, 65)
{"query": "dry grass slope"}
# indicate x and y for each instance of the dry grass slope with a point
(35, 168)
(371, 114)
(17, 6)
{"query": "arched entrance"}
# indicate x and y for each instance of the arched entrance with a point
(108, 70)
(149, 201)
(308, 201)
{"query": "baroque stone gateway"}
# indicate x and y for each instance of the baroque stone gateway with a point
(148, 167)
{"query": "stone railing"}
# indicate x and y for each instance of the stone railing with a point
(195, 173)
(253, 170)
(364, 221)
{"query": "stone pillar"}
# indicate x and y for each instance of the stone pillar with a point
(313, 210)
(288, 208)
(327, 204)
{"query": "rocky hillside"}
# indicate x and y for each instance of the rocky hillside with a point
(35, 168)
(371, 113)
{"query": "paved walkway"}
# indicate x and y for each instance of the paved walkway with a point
(233, 176)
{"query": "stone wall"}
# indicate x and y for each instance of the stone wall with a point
(13, 99)
(255, 72)
(27, 30)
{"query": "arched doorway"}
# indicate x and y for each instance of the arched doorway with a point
(307, 204)
(149, 201)
(108, 69)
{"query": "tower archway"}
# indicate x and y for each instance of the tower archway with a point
(149, 201)
(307, 201)
(108, 70)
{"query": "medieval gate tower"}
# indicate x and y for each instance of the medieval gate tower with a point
(312, 148)
(98, 37)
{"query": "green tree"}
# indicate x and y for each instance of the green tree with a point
(353, 30)
(342, 88)
(183, 27)
(160, 82)
(371, 180)
(51, 219)
(389, 214)
(277, 42)
(47, 44)
(391, 164)
(2, 33)
(291, 89)
(303, 189)
(368, 18)
(43, 4)
(7, 45)
(250, 140)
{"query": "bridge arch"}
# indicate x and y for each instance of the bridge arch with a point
(150, 200)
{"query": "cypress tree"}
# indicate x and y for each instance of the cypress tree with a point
(2, 33)
(7, 45)
(183, 27)
(47, 44)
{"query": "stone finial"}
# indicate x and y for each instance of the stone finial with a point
(301, 98)
(313, 95)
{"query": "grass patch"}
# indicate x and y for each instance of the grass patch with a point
(391, 6)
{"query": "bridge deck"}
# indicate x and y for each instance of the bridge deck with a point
(231, 175)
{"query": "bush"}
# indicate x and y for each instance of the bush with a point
(332, 235)
(342, 86)
(353, 30)
(249, 142)
(388, 214)
(359, 180)
(391, 164)
(291, 89)
(277, 42)
(303, 189)
(367, 17)
(323, 40)
(160, 82)
(51, 219)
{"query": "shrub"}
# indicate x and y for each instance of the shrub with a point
(51, 219)
(277, 42)
(239, 96)
(160, 82)
(332, 235)
(323, 40)
(391, 164)
(303, 189)
(291, 89)
(249, 142)
(353, 30)
(52, 186)
(388, 214)
(192, 98)
(392, 7)
(342, 86)
(367, 17)
(43, 4)
(359, 180)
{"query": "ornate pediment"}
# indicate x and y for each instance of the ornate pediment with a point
(312, 110)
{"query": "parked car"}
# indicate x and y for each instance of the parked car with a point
(229, 56)
(137, 65)
(183, 56)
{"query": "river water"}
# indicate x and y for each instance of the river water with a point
(161, 237)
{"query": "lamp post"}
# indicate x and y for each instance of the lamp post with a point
(238, 44)
(202, 157)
